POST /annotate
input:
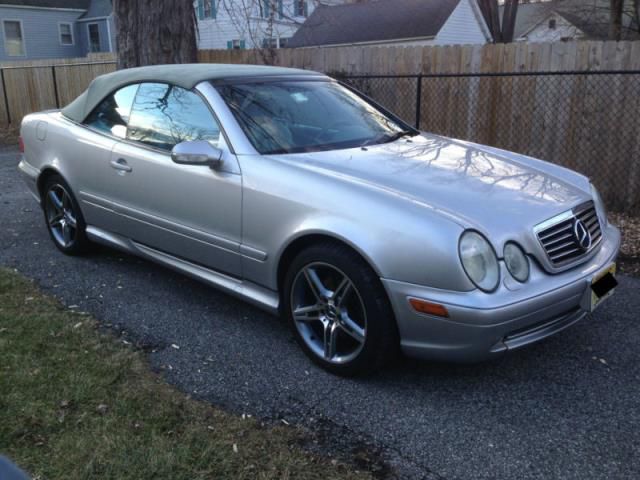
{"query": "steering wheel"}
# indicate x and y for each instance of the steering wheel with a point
(325, 131)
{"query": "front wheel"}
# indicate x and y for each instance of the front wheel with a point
(339, 311)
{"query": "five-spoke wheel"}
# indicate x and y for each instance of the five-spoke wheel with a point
(63, 216)
(328, 312)
(339, 310)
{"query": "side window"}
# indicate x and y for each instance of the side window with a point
(112, 115)
(165, 115)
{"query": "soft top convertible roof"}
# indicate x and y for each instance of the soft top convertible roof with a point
(185, 75)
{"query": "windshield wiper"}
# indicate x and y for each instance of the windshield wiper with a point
(399, 135)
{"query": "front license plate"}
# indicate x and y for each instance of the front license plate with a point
(603, 285)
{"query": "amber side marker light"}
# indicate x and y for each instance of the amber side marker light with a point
(21, 144)
(429, 308)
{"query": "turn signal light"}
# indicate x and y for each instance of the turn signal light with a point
(422, 306)
(21, 144)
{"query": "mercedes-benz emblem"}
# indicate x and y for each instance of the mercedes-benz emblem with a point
(582, 234)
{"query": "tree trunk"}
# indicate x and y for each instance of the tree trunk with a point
(490, 11)
(154, 32)
(615, 23)
(501, 32)
(509, 20)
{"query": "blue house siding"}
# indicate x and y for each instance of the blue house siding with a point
(40, 33)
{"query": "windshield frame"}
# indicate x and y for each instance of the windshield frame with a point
(405, 127)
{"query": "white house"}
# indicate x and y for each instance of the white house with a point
(239, 24)
(394, 22)
(563, 20)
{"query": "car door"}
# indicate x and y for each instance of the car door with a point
(89, 156)
(192, 212)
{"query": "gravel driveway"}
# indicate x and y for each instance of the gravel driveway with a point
(567, 408)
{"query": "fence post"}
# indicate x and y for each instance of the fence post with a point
(6, 99)
(55, 85)
(418, 101)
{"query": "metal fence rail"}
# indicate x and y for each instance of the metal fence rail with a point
(586, 121)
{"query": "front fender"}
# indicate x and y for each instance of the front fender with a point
(401, 240)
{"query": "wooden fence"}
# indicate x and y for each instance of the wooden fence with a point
(32, 86)
(586, 122)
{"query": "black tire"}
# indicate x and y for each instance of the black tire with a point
(381, 339)
(74, 240)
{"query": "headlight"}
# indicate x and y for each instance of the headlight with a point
(479, 261)
(516, 261)
(600, 209)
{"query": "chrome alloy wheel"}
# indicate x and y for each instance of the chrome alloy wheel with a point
(60, 215)
(328, 312)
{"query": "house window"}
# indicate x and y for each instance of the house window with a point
(13, 38)
(270, 42)
(265, 8)
(552, 23)
(94, 37)
(300, 8)
(206, 9)
(284, 41)
(235, 45)
(66, 34)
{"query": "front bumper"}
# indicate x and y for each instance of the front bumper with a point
(484, 325)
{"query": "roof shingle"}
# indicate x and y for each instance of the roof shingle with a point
(373, 21)
(69, 4)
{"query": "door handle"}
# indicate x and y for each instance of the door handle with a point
(121, 165)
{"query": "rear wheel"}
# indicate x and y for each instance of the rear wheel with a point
(339, 310)
(63, 216)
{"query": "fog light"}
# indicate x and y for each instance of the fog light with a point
(422, 306)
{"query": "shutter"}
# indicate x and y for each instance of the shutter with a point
(230, 45)
(280, 9)
(242, 44)
(306, 8)
(200, 9)
(214, 9)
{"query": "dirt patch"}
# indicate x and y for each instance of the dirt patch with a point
(629, 259)
(9, 136)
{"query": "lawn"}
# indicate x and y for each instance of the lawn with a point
(75, 403)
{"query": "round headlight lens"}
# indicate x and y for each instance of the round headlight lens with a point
(517, 262)
(600, 209)
(479, 261)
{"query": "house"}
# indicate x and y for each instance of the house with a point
(563, 20)
(240, 24)
(38, 29)
(394, 22)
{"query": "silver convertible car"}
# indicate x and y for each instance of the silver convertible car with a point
(308, 199)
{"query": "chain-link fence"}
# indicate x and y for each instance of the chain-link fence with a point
(586, 121)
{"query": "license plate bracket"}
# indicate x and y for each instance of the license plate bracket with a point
(603, 286)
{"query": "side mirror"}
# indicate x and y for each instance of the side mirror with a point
(199, 152)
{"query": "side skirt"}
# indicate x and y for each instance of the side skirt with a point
(259, 296)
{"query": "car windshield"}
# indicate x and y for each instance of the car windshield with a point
(308, 116)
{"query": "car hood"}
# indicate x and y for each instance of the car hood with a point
(480, 187)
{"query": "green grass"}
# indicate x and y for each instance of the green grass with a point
(75, 404)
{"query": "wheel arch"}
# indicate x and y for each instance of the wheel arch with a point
(305, 240)
(46, 173)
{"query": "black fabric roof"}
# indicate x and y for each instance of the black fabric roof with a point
(75, 4)
(372, 21)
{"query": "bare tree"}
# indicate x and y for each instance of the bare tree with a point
(263, 21)
(503, 30)
(612, 19)
(152, 32)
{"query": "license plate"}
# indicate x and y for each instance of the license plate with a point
(603, 286)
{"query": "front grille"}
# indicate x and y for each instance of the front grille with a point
(559, 238)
